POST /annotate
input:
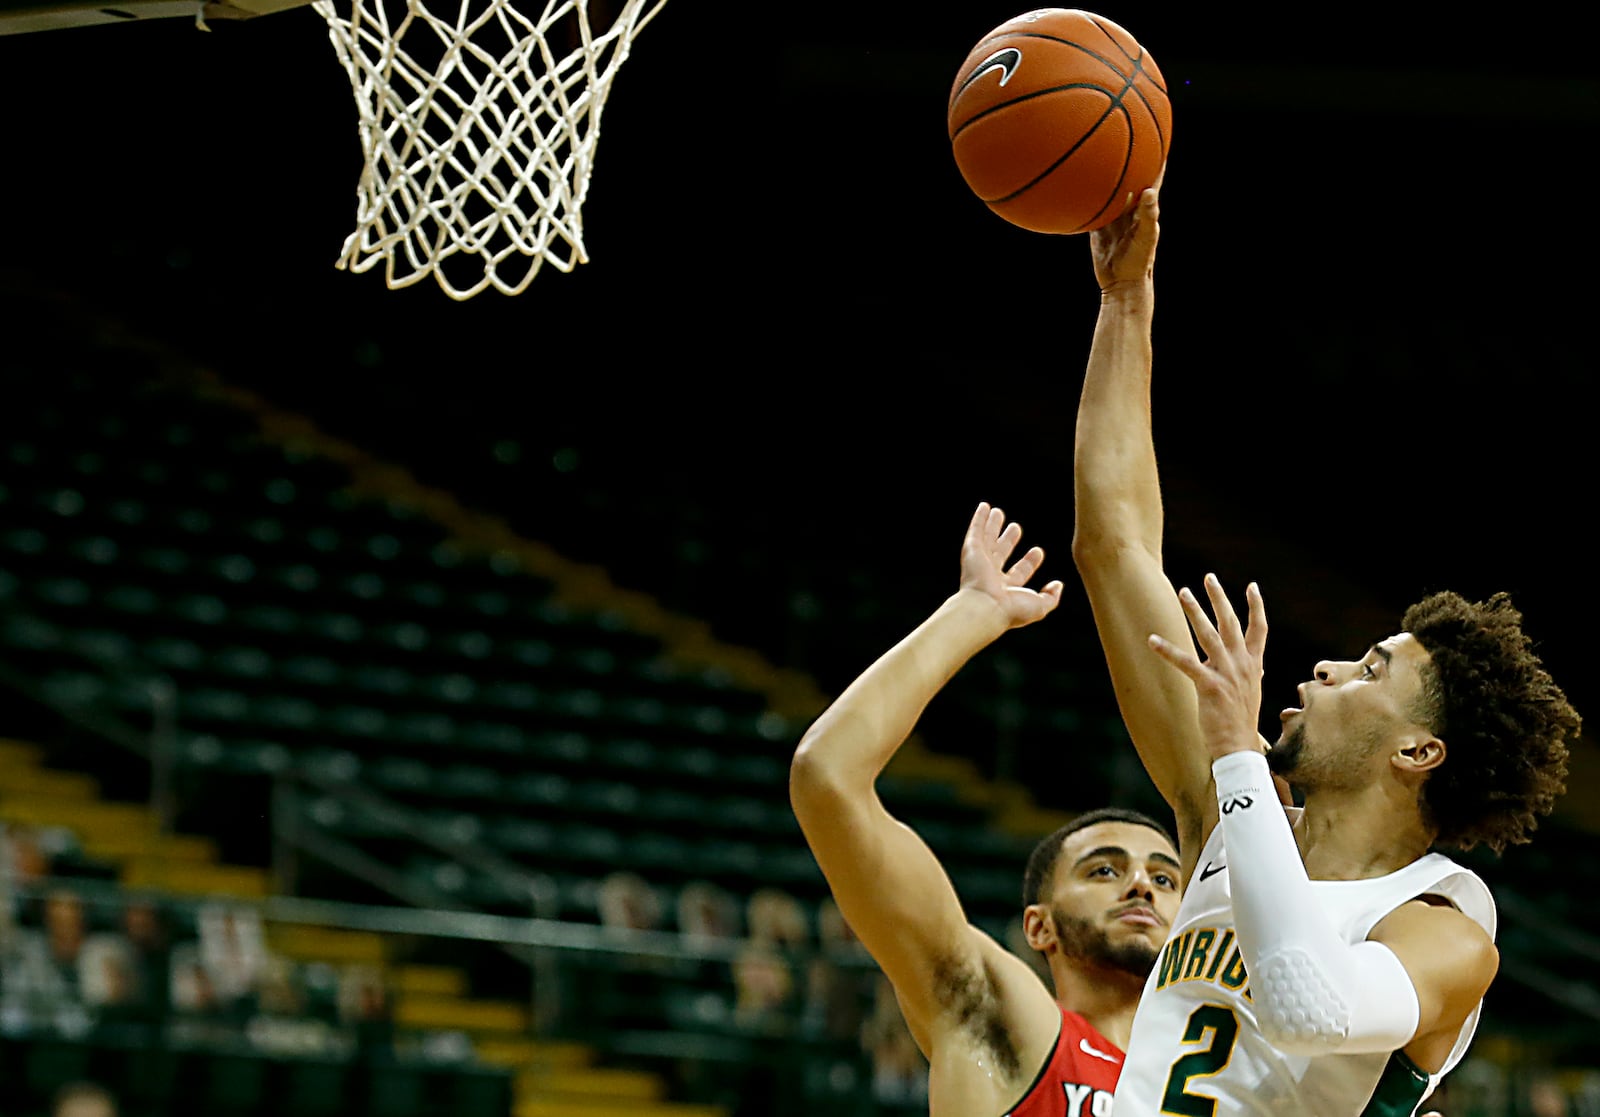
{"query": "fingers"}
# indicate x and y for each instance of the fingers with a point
(1181, 658)
(1007, 542)
(1227, 619)
(1255, 636)
(1025, 567)
(1205, 633)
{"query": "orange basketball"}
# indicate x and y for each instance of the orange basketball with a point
(1058, 118)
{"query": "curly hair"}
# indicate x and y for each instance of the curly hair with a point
(1042, 861)
(1504, 721)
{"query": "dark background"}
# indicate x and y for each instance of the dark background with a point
(802, 350)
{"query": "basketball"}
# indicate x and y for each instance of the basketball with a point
(1058, 119)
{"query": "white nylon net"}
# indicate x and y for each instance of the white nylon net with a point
(478, 130)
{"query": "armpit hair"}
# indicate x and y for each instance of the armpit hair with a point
(970, 992)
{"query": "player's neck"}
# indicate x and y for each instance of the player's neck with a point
(1360, 834)
(1105, 997)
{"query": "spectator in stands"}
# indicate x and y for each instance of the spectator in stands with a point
(708, 917)
(707, 913)
(199, 1014)
(47, 973)
(24, 862)
(764, 979)
(83, 1099)
(364, 1010)
(1547, 1098)
(234, 954)
(282, 1023)
(840, 980)
(899, 1071)
(630, 993)
(144, 925)
(627, 901)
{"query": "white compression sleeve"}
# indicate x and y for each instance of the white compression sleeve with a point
(1314, 993)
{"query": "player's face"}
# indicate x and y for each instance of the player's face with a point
(1115, 895)
(1349, 714)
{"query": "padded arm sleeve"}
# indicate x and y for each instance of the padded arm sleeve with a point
(1314, 993)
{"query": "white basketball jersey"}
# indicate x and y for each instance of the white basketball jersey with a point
(1195, 1050)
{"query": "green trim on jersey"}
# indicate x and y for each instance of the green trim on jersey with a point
(1399, 1089)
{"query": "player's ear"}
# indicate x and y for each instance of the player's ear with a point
(1038, 928)
(1422, 752)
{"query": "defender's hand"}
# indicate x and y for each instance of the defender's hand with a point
(989, 543)
(1228, 682)
(1125, 251)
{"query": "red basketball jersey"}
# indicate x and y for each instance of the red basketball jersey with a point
(1079, 1078)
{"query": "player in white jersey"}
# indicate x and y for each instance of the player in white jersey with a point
(1330, 966)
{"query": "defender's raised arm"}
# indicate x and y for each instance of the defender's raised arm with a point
(960, 991)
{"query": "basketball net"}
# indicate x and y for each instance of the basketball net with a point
(478, 130)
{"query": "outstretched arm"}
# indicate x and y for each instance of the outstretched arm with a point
(888, 885)
(1117, 535)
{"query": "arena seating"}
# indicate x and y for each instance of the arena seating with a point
(327, 622)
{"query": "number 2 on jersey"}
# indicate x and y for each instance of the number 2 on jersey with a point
(1224, 1028)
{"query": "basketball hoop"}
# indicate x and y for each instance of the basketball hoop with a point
(478, 130)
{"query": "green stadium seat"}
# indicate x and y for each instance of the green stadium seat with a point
(453, 688)
(31, 634)
(756, 769)
(284, 712)
(539, 790)
(127, 512)
(381, 679)
(237, 569)
(340, 627)
(102, 645)
(468, 645)
(427, 595)
(300, 577)
(324, 539)
(572, 749)
(277, 620)
(468, 781)
(62, 592)
(630, 755)
(493, 737)
(722, 857)
(24, 541)
(621, 800)
(213, 704)
(522, 836)
(203, 609)
(138, 601)
(423, 729)
(366, 586)
(520, 696)
(309, 670)
(241, 663)
(531, 653)
(75, 688)
(402, 774)
(97, 550)
(169, 561)
(667, 805)
(265, 529)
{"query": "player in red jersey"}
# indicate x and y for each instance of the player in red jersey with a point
(1098, 894)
